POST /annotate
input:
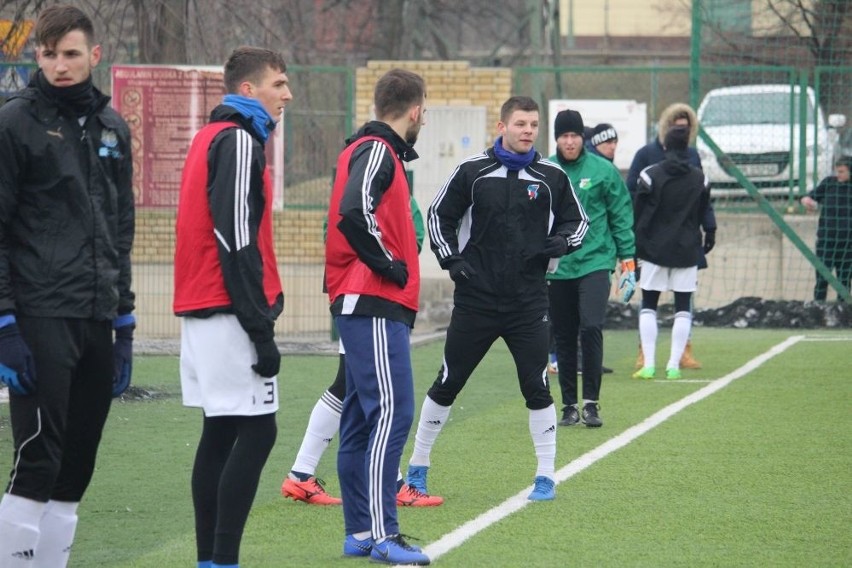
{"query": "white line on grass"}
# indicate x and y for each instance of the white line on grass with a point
(515, 503)
(828, 338)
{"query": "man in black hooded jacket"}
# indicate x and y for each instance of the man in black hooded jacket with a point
(66, 230)
(671, 200)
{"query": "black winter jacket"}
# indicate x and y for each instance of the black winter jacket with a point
(671, 199)
(498, 221)
(66, 210)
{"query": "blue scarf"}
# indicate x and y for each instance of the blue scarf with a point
(254, 111)
(513, 162)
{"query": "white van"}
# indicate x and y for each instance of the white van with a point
(752, 125)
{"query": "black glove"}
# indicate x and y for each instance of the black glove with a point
(17, 369)
(555, 246)
(461, 271)
(709, 241)
(396, 272)
(268, 359)
(122, 353)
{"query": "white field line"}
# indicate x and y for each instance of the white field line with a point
(517, 502)
(827, 338)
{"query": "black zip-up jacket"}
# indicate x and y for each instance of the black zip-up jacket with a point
(66, 210)
(671, 200)
(835, 218)
(498, 221)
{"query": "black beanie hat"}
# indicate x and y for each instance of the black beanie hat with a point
(603, 132)
(677, 138)
(567, 121)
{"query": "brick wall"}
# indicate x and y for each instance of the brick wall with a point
(298, 233)
(448, 83)
(298, 236)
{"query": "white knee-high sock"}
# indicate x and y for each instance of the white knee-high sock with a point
(648, 335)
(543, 432)
(19, 531)
(433, 416)
(57, 528)
(322, 426)
(680, 335)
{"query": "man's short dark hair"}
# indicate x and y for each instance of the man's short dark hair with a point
(517, 103)
(57, 20)
(844, 161)
(248, 63)
(396, 92)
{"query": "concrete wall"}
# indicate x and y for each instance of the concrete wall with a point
(752, 258)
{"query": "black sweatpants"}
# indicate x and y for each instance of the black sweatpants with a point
(58, 429)
(578, 308)
(472, 333)
(837, 256)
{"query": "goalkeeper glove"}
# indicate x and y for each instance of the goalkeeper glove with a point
(627, 283)
(17, 369)
(122, 353)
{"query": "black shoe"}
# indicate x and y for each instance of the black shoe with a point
(570, 416)
(590, 415)
(605, 370)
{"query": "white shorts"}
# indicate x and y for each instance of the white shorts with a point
(216, 356)
(663, 279)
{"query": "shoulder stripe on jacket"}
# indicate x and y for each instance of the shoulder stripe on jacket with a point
(643, 175)
(374, 162)
(242, 185)
(433, 223)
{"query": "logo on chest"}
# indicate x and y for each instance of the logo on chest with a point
(585, 182)
(532, 191)
(109, 145)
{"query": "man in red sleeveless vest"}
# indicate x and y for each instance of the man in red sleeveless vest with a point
(228, 295)
(373, 282)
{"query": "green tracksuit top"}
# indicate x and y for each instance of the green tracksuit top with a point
(605, 198)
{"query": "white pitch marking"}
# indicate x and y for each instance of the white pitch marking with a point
(517, 502)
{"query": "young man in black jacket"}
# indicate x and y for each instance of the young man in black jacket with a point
(66, 230)
(671, 200)
(495, 225)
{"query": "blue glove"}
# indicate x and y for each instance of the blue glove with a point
(627, 282)
(17, 369)
(122, 353)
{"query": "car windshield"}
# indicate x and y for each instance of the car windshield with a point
(753, 108)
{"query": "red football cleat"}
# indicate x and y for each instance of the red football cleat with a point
(311, 492)
(409, 496)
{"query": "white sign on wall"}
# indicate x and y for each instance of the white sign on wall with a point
(628, 117)
(451, 134)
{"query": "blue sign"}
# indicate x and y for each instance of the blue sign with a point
(14, 77)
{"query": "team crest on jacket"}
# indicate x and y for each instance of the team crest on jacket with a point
(585, 182)
(109, 145)
(532, 191)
